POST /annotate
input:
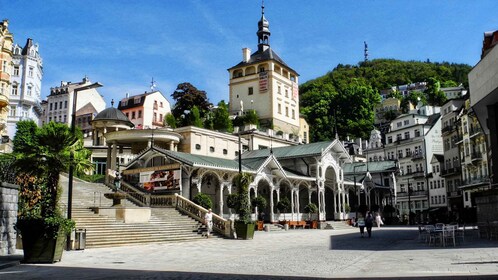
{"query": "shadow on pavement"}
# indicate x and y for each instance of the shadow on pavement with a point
(54, 273)
(398, 239)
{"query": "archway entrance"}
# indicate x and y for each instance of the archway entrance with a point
(211, 187)
(329, 204)
(264, 191)
(330, 187)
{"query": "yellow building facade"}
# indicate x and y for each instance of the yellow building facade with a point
(6, 41)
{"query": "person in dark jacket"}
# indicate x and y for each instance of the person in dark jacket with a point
(369, 220)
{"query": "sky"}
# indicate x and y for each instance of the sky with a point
(125, 44)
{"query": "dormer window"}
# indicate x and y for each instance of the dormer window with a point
(136, 100)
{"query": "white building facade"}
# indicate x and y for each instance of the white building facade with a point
(412, 140)
(25, 95)
(59, 106)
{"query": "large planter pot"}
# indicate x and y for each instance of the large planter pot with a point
(39, 248)
(244, 231)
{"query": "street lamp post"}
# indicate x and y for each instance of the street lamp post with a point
(355, 188)
(240, 154)
(71, 156)
(409, 203)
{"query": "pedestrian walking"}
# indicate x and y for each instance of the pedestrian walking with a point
(361, 225)
(208, 221)
(378, 220)
(369, 223)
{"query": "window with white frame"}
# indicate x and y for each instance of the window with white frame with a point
(15, 89)
(13, 111)
(16, 71)
(30, 90)
(30, 71)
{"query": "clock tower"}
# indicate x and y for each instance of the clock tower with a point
(263, 82)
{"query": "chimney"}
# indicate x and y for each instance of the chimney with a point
(127, 95)
(246, 54)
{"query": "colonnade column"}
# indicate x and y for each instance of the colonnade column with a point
(108, 164)
(336, 204)
(292, 203)
(113, 156)
(272, 215)
(220, 197)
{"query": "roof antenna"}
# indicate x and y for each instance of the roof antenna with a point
(366, 51)
(152, 85)
(335, 125)
(271, 142)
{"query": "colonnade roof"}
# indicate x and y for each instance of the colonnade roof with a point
(299, 151)
(361, 168)
(249, 166)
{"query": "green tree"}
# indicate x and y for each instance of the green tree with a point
(221, 118)
(434, 95)
(43, 159)
(25, 136)
(323, 98)
(186, 97)
(251, 117)
(170, 120)
(195, 117)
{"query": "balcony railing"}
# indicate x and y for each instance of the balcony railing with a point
(418, 155)
(448, 128)
(476, 180)
(476, 156)
(451, 171)
(413, 193)
(474, 131)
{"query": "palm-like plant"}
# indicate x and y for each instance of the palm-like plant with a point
(43, 154)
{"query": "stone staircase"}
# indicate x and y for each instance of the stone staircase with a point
(165, 225)
(338, 225)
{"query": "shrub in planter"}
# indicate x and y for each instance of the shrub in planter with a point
(203, 200)
(283, 205)
(244, 226)
(311, 208)
(259, 201)
(39, 156)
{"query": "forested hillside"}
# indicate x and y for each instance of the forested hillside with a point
(345, 97)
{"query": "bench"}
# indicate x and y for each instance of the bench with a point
(296, 224)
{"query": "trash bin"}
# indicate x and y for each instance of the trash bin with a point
(79, 239)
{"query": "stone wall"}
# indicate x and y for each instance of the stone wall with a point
(8, 217)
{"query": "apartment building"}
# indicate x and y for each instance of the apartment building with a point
(25, 96)
(146, 110)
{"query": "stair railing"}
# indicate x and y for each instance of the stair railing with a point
(197, 212)
(141, 198)
(95, 195)
(135, 195)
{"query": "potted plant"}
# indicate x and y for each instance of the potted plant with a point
(39, 156)
(283, 206)
(260, 203)
(203, 200)
(244, 226)
(311, 208)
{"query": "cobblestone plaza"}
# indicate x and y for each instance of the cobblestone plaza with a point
(392, 252)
